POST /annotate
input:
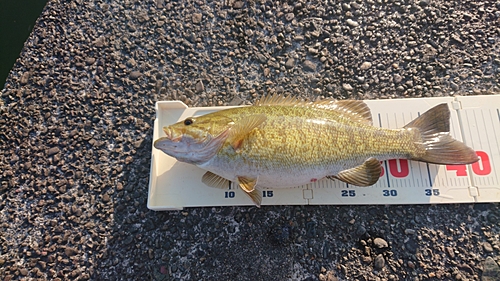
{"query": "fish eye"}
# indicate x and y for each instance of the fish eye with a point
(188, 121)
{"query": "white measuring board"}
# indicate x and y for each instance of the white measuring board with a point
(475, 120)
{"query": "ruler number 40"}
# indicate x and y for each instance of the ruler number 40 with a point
(480, 168)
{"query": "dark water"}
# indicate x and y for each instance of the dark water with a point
(17, 18)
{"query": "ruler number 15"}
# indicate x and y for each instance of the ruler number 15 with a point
(480, 168)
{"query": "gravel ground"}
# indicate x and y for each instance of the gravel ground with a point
(76, 133)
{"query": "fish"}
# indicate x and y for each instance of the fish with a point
(284, 142)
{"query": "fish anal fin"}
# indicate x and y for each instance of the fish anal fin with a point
(214, 180)
(241, 128)
(248, 185)
(365, 174)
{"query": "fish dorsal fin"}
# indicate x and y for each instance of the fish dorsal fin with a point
(356, 110)
(241, 128)
(214, 180)
(281, 100)
(365, 174)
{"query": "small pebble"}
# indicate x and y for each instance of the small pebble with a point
(309, 66)
(23, 271)
(397, 78)
(409, 231)
(199, 87)
(380, 243)
(423, 2)
(69, 251)
(487, 247)
(450, 251)
(177, 61)
(89, 61)
(365, 65)
(25, 78)
(53, 150)
(352, 23)
(329, 276)
(379, 262)
(134, 75)
(290, 63)
(238, 4)
(106, 198)
(197, 17)
(347, 87)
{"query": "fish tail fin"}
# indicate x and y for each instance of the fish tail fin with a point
(434, 143)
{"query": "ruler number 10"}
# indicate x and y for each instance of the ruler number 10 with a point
(232, 194)
(480, 168)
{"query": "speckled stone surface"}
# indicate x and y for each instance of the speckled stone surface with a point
(76, 130)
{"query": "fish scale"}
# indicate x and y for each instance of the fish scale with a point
(335, 139)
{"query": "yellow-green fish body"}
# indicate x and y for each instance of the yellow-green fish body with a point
(282, 142)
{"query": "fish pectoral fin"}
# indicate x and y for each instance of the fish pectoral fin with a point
(365, 174)
(240, 129)
(249, 186)
(214, 180)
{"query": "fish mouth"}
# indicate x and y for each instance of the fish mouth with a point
(170, 135)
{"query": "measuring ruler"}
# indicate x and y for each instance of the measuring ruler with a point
(475, 120)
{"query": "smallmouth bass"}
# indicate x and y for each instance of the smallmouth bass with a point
(283, 142)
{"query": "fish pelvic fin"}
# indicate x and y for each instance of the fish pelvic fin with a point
(434, 144)
(365, 174)
(249, 186)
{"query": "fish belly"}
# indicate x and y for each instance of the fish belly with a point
(273, 180)
(276, 176)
